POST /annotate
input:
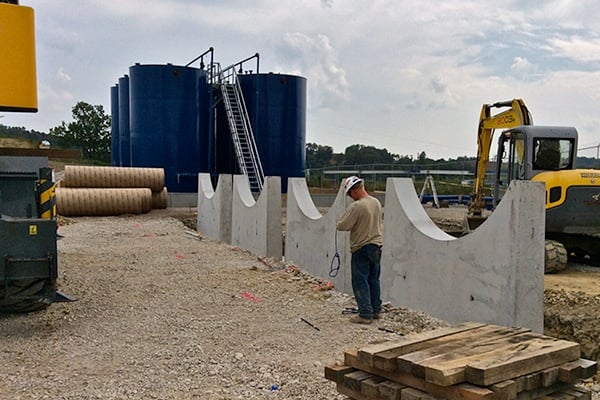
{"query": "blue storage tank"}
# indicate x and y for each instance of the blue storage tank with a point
(169, 122)
(225, 159)
(114, 126)
(124, 132)
(276, 105)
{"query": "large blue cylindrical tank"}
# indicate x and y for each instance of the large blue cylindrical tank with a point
(124, 132)
(114, 125)
(169, 122)
(276, 105)
(225, 159)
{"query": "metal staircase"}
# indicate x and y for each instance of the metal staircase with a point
(241, 129)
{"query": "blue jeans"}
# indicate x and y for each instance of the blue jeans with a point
(366, 269)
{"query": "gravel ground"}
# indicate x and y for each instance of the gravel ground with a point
(165, 313)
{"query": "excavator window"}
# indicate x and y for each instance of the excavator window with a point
(551, 154)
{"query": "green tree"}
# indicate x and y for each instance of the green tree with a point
(90, 131)
(318, 156)
(358, 154)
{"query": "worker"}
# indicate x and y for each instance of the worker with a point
(548, 154)
(363, 218)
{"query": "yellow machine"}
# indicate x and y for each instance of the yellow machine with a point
(18, 83)
(545, 154)
(28, 249)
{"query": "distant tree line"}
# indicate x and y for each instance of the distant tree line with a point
(320, 156)
(89, 131)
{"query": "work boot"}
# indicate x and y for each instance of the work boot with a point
(377, 316)
(357, 319)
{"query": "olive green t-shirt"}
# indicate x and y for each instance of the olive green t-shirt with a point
(363, 218)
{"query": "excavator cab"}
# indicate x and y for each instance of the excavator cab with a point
(527, 151)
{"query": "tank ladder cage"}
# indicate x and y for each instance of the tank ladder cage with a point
(240, 126)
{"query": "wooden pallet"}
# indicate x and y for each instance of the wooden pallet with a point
(469, 361)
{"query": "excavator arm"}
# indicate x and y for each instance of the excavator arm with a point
(517, 114)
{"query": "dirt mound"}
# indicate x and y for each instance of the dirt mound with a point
(573, 315)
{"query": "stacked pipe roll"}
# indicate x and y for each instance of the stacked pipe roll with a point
(95, 191)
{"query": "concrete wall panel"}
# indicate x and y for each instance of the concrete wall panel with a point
(214, 207)
(256, 225)
(310, 236)
(494, 275)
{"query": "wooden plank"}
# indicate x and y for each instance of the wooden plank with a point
(411, 394)
(588, 368)
(486, 340)
(351, 359)
(336, 372)
(388, 359)
(536, 394)
(521, 360)
(449, 369)
(463, 391)
(370, 387)
(549, 376)
(575, 370)
(506, 390)
(507, 361)
(390, 390)
(411, 342)
(520, 384)
(427, 396)
(353, 379)
(533, 381)
(467, 391)
(353, 394)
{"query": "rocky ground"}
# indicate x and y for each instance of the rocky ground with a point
(166, 313)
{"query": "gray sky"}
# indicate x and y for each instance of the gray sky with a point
(408, 76)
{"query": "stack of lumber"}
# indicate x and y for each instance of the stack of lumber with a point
(470, 361)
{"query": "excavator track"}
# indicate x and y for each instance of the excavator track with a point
(580, 248)
(555, 257)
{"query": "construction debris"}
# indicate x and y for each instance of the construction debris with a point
(470, 361)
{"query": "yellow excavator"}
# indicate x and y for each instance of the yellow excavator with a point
(544, 154)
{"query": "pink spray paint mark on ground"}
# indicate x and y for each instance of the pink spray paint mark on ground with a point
(250, 296)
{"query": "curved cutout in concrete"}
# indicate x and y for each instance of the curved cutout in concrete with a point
(214, 207)
(408, 200)
(256, 225)
(493, 275)
(310, 240)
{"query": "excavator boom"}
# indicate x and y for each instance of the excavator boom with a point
(516, 114)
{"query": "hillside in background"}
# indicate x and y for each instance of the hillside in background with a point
(19, 137)
(19, 143)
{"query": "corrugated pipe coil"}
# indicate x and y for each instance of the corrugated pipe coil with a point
(102, 201)
(81, 176)
(160, 199)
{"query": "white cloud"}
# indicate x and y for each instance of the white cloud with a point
(577, 48)
(523, 68)
(62, 76)
(315, 58)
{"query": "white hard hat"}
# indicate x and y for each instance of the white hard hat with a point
(350, 182)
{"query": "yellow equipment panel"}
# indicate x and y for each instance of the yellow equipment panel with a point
(18, 81)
